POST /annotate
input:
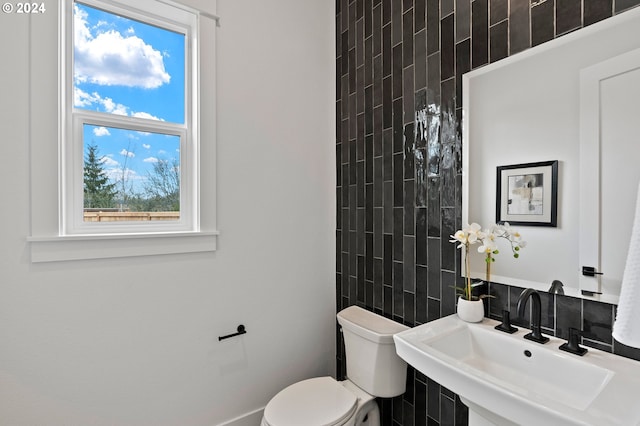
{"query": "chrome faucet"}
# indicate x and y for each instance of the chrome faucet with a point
(536, 314)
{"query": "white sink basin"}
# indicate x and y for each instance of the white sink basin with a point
(506, 380)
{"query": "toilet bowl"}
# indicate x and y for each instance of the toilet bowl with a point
(321, 401)
(373, 370)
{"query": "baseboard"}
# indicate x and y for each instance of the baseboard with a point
(250, 419)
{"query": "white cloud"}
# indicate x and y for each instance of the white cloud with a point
(146, 146)
(145, 115)
(82, 99)
(113, 107)
(109, 162)
(116, 175)
(101, 131)
(111, 58)
(126, 153)
(151, 160)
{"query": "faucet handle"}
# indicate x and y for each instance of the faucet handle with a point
(536, 336)
(506, 326)
(573, 344)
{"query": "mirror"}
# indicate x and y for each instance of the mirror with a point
(530, 108)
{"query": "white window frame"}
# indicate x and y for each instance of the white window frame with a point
(69, 237)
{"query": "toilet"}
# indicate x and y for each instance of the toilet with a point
(373, 370)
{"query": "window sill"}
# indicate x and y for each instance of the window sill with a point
(83, 247)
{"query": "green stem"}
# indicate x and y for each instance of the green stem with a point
(489, 260)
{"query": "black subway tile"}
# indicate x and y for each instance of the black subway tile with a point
(409, 209)
(479, 33)
(568, 16)
(433, 268)
(448, 297)
(376, 30)
(596, 10)
(433, 26)
(387, 51)
(463, 65)
(542, 22)
(498, 11)
(463, 19)
(622, 5)
(398, 234)
(396, 73)
(447, 48)
(446, 7)
(408, 100)
(421, 236)
(597, 321)
(448, 249)
(519, 26)
(433, 309)
(420, 60)
(398, 300)
(568, 314)
(419, 15)
(499, 41)
(421, 293)
(409, 264)
(447, 411)
(407, 38)
(433, 400)
(398, 181)
(406, 5)
(433, 206)
(398, 125)
(396, 22)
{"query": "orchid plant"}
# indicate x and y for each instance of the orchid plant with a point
(487, 239)
(465, 238)
(490, 248)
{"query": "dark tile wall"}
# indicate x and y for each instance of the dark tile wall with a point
(398, 147)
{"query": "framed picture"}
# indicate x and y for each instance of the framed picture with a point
(527, 194)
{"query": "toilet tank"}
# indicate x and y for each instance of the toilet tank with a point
(372, 362)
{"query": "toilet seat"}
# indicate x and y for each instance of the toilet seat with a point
(321, 401)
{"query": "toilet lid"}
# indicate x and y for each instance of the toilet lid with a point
(320, 401)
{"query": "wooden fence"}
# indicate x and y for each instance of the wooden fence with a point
(106, 216)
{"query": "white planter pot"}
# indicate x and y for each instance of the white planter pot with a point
(470, 310)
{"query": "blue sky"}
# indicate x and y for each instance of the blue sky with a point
(125, 67)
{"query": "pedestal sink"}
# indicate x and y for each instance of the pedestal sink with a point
(507, 380)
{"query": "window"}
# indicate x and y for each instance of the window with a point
(130, 142)
(130, 138)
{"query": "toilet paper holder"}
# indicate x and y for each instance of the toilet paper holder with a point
(241, 330)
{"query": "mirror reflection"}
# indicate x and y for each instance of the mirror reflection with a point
(537, 106)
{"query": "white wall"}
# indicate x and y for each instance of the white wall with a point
(134, 341)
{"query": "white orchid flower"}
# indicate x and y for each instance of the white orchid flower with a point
(459, 237)
(470, 234)
(488, 246)
(488, 238)
(474, 233)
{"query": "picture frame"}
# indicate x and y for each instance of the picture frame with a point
(527, 194)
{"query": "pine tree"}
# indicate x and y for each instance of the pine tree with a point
(99, 192)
